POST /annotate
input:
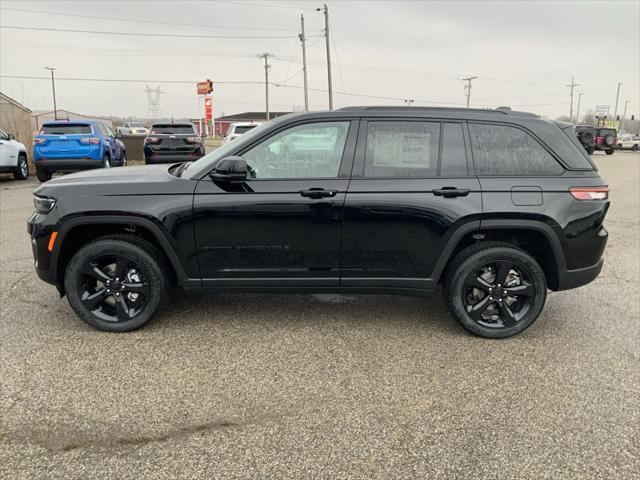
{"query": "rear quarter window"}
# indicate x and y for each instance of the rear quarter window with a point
(501, 150)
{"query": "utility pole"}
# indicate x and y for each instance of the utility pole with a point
(325, 9)
(572, 86)
(615, 111)
(304, 63)
(467, 87)
(53, 87)
(578, 109)
(267, 67)
(624, 115)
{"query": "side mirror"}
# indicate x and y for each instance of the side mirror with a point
(230, 169)
(11, 136)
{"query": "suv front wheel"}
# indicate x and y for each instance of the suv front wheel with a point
(116, 283)
(495, 289)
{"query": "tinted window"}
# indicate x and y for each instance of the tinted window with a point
(243, 129)
(454, 155)
(173, 129)
(502, 151)
(304, 151)
(65, 129)
(402, 149)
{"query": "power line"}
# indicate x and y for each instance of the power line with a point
(138, 34)
(151, 22)
(125, 80)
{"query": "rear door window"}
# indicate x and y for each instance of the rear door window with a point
(402, 149)
(65, 129)
(501, 150)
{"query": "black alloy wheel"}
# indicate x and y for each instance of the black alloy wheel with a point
(495, 289)
(498, 294)
(113, 287)
(116, 283)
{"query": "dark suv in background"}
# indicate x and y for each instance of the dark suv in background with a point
(496, 207)
(171, 143)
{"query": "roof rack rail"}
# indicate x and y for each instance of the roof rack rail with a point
(499, 110)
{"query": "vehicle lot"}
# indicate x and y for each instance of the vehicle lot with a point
(323, 386)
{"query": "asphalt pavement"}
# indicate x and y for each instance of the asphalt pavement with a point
(323, 386)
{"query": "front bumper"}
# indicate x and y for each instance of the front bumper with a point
(40, 227)
(67, 164)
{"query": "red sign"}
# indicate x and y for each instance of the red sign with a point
(208, 109)
(205, 87)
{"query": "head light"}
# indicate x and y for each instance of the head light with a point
(42, 204)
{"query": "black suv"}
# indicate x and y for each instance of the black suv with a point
(495, 206)
(171, 143)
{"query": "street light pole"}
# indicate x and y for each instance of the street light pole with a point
(572, 85)
(615, 111)
(578, 109)
(325, 9)
(304, 63)
(624, 115)
(53, 86)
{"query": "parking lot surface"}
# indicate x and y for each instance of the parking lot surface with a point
(323, 386)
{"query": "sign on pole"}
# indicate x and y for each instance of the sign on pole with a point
(602, 111)
(204, 88)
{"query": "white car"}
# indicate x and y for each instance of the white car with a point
(13, 157)
(132, 128)
(628, 142)
(238, 128)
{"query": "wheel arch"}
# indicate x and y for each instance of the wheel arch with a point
(535, 237)
(78, 231)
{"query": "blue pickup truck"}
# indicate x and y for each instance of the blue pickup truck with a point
(72, 145)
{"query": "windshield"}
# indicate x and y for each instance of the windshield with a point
(212, 158)
(65, 129)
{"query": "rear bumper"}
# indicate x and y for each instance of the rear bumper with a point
(67, 164)
(576, 278)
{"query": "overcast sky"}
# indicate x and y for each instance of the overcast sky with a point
(524, 53)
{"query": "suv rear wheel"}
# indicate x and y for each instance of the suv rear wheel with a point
(495, 289)
(116, 283)
(43, 175)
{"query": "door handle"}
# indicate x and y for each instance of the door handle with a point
(318, 193)
(451, 192)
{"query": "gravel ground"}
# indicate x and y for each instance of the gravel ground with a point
(323, 386)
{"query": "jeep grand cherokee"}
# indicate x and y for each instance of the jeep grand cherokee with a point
(494, 206)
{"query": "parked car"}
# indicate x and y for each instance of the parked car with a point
(628, 142)
(593, 138)
(13, 156)
(171, 143)
(132, 128)
(239, 128)
(73, 145)
(495, 206)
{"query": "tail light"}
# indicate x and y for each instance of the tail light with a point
(193, 140)
(90, 140)
(38, 141)
(590, 193)
(151, 140)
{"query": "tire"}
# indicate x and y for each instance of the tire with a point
(634, 148)
(590, 150)
(22, 170)
(586, 137)
(486, 311)
(609, 140)
(102, 268)
(106, 162)
(610, 151)
(123, 159)
(43, 175)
